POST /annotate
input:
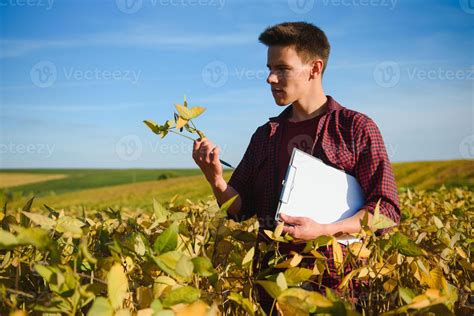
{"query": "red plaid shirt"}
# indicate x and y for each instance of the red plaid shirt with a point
(345, 139)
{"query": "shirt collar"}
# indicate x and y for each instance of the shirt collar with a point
(332, 106)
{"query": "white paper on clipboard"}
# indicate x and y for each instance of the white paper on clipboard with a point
(316, 190)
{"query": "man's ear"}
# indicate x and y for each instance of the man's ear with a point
(316, 68)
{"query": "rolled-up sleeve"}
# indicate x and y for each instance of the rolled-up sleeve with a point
(374, 171)
(242, 180)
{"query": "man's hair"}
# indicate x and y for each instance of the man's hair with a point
(308, 40)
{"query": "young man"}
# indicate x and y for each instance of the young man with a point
(348, 140)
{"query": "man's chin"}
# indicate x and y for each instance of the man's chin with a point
(281, 102)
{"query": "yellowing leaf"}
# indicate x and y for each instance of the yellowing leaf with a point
(183, 112)
(438, 222)
(358, 249)
(198, 308)
(278, 230)
(390, 285)
(181, 122)
(117, 285)
(337, 254)
(248, 256)
(196, 111)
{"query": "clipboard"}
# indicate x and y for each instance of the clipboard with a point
(316, 190)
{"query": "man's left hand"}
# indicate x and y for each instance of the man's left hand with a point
(303, 228)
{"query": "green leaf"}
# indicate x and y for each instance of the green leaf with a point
(271, 287)
(41, 220)
(242, 301)
(405, 245)
(311, 300)
(225, 206)
(167, 240)
(203, 266)
(152, 125)
(295, 276)
(248, 256)
(185, 294)
(185, 267)
(70, 226)
(161, 214)
(62, 283)
(406, 294)
(167, 262)
(281, 281)
(7, 240)
(380, 221)
(117, 285)
(34, 236)
(101, 307)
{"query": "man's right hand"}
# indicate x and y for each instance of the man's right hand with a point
(206, 156)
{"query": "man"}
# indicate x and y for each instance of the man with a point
(297, 56)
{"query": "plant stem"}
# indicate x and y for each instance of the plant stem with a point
(182, 135)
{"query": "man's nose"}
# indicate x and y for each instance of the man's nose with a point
(272, 78)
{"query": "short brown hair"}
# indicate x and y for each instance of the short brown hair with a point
(309, 40)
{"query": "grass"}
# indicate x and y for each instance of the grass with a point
(137, 187)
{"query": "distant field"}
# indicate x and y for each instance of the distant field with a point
(137, 188)
(430, 175)
(13, 179)
(80, 179)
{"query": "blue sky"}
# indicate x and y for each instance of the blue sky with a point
(78, 77)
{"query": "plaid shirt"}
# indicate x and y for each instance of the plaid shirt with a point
(345, 139)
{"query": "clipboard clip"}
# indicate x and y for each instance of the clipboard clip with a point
(288, 184)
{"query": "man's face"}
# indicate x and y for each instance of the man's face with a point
(289, 76)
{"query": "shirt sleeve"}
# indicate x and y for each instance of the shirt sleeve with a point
(374, 172)
(242, 180)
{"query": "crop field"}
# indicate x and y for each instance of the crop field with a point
(154, 242)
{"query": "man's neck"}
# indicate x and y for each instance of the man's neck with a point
(308, 109)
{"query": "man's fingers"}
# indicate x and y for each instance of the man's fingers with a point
(292, 219)
(215, 155)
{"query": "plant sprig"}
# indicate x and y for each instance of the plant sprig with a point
(183, 120)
